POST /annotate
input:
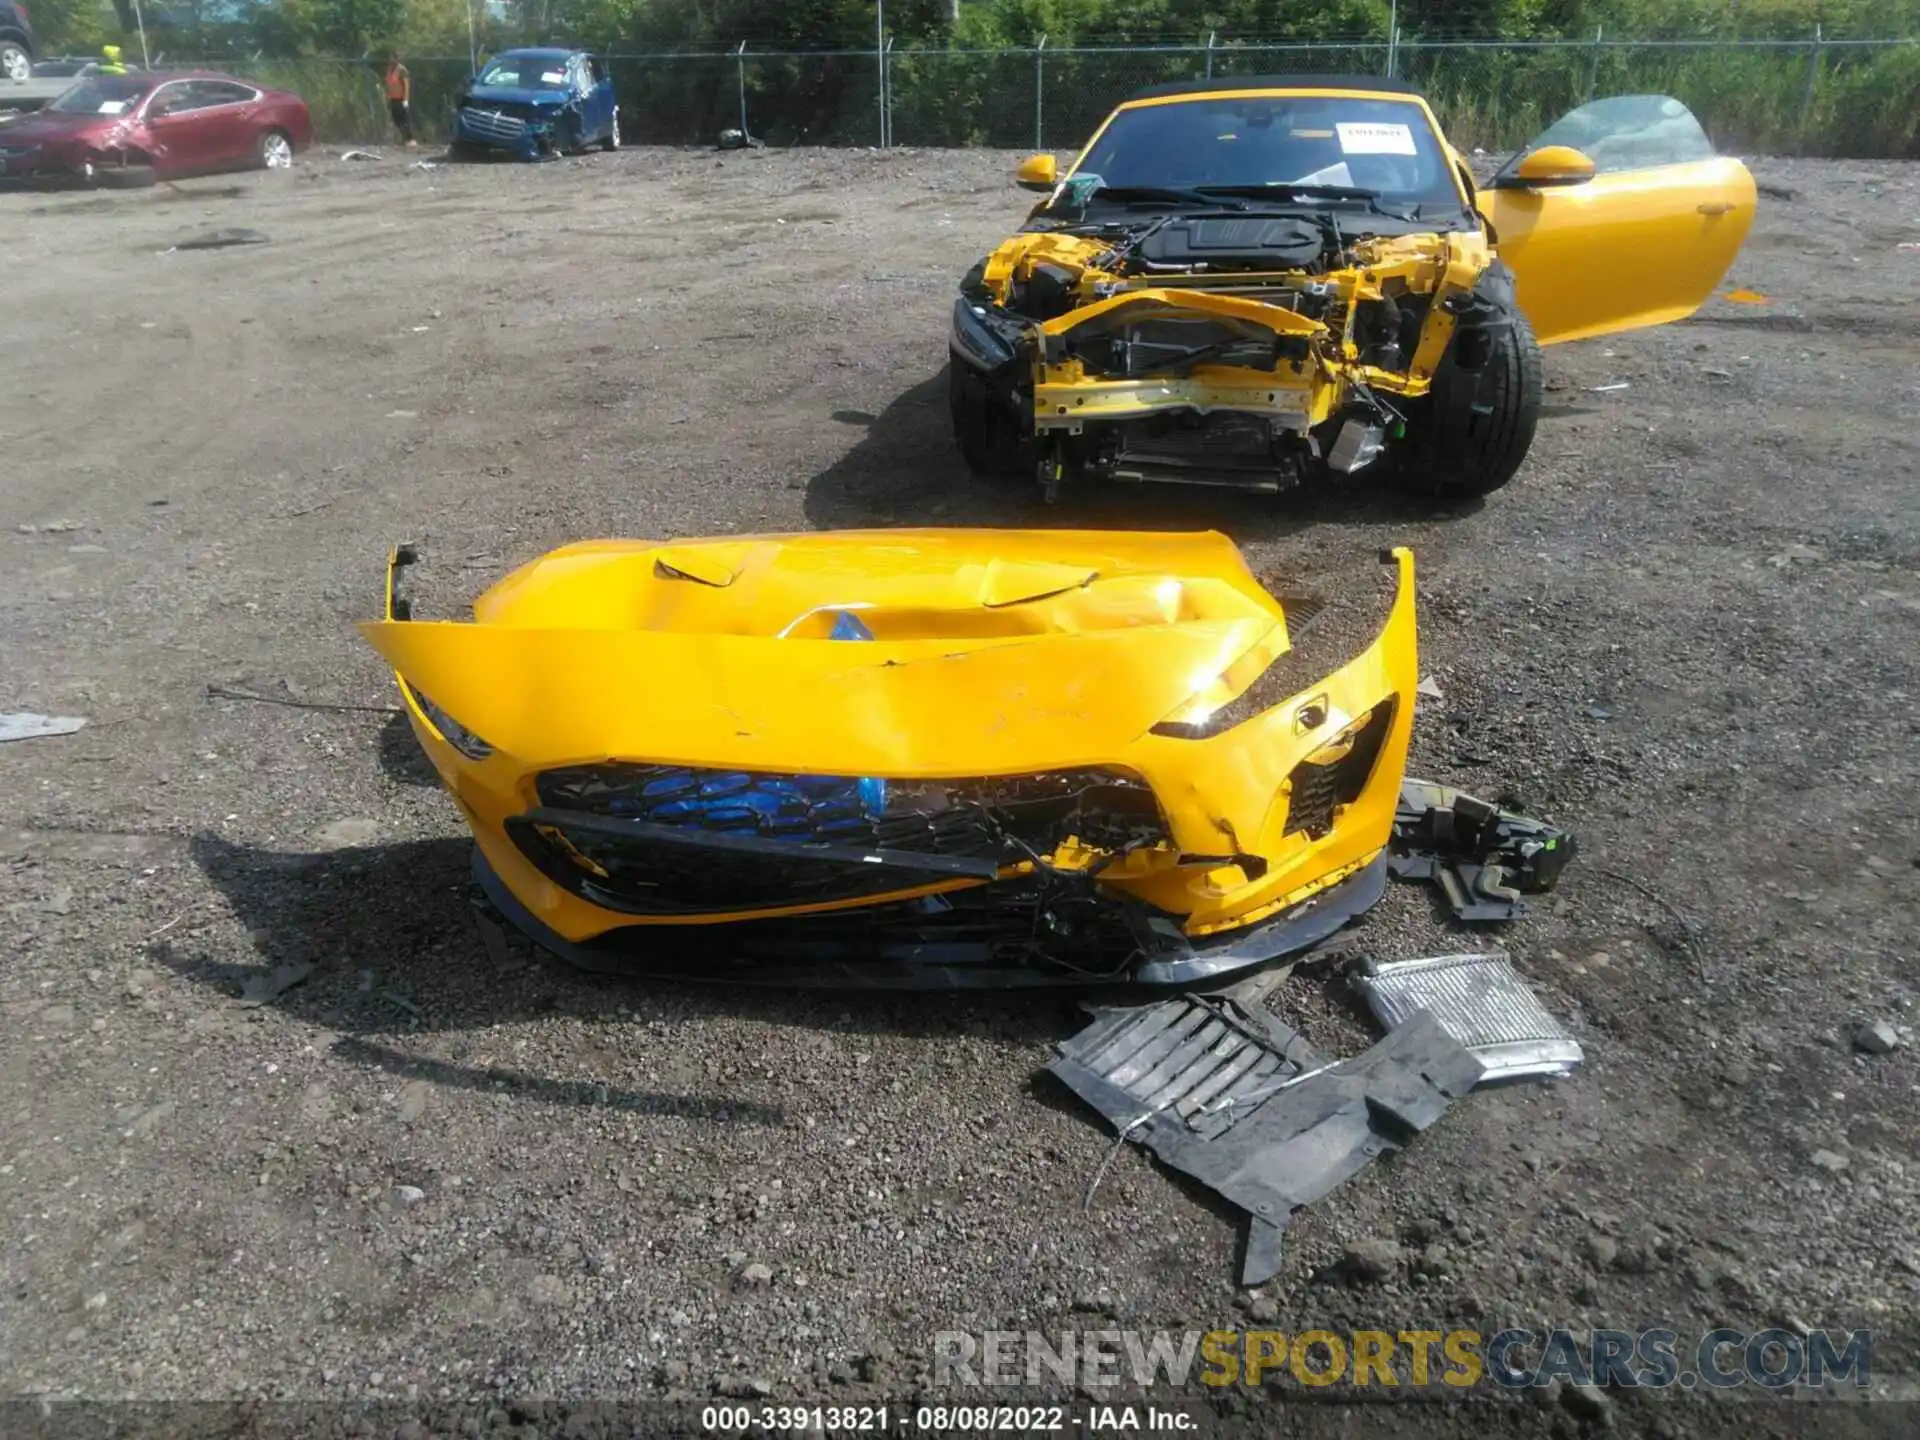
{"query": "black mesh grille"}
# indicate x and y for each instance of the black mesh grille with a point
(1318, 790)
(1005, 817)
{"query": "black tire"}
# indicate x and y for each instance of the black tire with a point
(15, 56)
(125, 177)
(612, 142)
(1478, 424)
(986, 432)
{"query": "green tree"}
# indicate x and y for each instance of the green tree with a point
(77, 27)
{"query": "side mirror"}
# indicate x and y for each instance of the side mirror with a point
(1549, 167)
(1039, 172)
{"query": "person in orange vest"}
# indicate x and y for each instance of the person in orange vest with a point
(400, 98)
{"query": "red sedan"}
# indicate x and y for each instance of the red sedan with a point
(129, 130)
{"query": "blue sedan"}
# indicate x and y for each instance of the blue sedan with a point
(537, 105)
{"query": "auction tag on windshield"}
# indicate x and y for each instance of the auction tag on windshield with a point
(555, 77)
(1376, 139)
(112, 107)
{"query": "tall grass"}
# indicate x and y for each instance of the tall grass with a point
(1861, 101)
(349, 102)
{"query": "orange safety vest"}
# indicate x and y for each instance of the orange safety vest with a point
(397, 82)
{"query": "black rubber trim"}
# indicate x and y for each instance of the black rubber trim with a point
(780, 952)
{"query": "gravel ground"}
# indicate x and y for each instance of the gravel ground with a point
(442, 1168)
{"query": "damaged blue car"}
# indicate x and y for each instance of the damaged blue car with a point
(537, 105)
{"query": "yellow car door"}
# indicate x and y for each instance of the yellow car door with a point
(1617, 217)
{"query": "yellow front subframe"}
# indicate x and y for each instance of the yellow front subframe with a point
(1067, 405)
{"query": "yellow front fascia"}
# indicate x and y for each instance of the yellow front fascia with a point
(1222, 795)
(1229, 793)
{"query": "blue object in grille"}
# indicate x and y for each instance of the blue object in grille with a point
(847, 625)
(785, 807)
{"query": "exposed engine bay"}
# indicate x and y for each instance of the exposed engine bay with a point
(1235, 349)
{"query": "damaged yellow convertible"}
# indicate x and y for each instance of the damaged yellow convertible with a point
(919, 757)
(1247, 282)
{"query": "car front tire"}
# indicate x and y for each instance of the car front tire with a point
(1477, 424)
(987, 433)
(612, 142)
(15, 62)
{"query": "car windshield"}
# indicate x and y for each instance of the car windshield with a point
(1386, 146)
(100, 95)
(526, 72)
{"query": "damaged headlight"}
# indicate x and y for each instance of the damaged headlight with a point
(450, 729)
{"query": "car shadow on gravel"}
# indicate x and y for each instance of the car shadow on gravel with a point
(401, 758)
(906, 470)
(386, 939)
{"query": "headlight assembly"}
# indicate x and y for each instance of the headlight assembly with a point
(450, 729)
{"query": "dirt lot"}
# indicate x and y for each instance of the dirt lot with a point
(1687, 632)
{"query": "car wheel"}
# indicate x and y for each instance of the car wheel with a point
(124, 177)
(15, 62)
(1478, 423)
(612, 142)
(985, 431)
(273, 151)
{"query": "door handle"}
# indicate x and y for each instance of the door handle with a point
(1715, 207)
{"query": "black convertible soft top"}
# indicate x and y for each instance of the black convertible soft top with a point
(1275, 82)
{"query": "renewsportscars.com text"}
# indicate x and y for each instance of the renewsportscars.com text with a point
(1511, 1359)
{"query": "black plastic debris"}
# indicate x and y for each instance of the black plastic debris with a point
(221, 239)
(1482, 857)
(1230, 1095)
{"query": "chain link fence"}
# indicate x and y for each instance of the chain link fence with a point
(1821, 96)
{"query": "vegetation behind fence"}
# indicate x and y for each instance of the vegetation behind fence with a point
(1816, 97)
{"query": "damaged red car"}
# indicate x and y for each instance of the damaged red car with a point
(128, 131)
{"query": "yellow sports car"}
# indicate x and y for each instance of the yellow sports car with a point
(1246, 282)
(919, 757)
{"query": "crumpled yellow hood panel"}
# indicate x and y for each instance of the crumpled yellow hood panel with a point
(992, 650)
(909, 709)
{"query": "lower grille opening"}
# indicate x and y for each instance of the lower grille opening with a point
(1228, 448)
(1033, 925)
(1033, 921)
(637, 868)
(1317, 791)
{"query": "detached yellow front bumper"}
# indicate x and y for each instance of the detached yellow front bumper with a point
(1278, 801)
